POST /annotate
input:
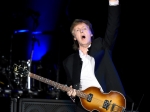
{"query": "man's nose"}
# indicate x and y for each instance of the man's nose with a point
(81, 30)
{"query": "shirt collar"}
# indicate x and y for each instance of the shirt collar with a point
(81, 53)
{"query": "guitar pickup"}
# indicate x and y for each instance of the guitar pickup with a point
(106, 104)
(89, 98)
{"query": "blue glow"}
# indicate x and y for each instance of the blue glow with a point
(37, 32)
(41, 46)
(46, 21)
(20, 31)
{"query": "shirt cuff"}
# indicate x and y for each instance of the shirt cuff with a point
(114, 3)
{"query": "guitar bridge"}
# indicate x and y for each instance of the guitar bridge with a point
(89, 98)
(115, 108)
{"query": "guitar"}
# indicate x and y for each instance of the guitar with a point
(91, 98)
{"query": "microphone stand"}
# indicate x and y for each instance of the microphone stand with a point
(29, 62)
(139, 103)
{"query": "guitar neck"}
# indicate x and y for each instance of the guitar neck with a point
(56, 85)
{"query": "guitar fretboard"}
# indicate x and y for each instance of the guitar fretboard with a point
(57, 85)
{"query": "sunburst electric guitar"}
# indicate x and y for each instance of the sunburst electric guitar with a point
(91, 98)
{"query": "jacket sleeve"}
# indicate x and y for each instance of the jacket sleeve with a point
(112, 26)
(67, 69)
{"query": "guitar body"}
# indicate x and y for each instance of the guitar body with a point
(116, 99)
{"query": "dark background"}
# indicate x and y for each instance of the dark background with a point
(130, 54)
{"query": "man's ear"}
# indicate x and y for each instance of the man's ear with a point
(74, 38)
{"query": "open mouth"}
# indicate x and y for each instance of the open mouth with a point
(83, 37)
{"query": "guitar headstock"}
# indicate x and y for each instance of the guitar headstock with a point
(20, 70)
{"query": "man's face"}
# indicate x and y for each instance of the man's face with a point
(82, 34)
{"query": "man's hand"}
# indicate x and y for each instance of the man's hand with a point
(71, 92)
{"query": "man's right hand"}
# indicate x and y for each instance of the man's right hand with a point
(71, 92)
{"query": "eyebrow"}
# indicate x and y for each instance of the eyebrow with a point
(82, 27)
